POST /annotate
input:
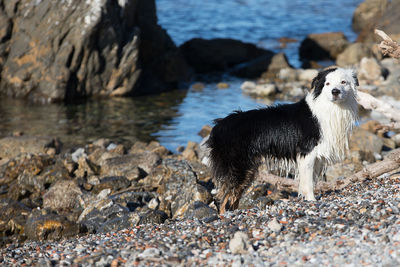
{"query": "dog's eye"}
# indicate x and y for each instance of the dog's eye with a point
(343, 82)
(327, 83)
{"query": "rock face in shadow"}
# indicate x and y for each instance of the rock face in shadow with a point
(219, 55)
(56, 50)
(320, 46)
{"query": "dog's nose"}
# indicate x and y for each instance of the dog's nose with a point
(335, 91)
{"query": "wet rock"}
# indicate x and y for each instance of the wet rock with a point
(367, 13)
(43, 226)
(353, 54)
(320, 46)
(153, 217)
(205, 131)
(362, 140)
(64, 195)
(370, 69)
(132, 166)
(13, 216)
(114, 183)
(261, 90)
(278, 62)
(12, 146)
(222, 85)
(218, 55)
(91, 48)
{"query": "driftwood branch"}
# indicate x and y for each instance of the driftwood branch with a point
(369, 102)
(388, 46)
(390, 163)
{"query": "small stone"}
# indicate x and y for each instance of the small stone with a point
(80, 152)
(198, 86)
(307, 75)
(239, 244)
(150, 253)
(205, 131)
(153, 204)
(222, 85)
(274, 225)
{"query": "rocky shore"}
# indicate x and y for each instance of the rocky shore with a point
(108, 204)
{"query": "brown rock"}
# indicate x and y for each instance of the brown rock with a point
(353, 54)
(370, 69)
(12, 146)
(278, 62)
(90, 48)
(362, 140)
(63, 195)
(367, 13)
(127, 165)
(48, 226)
(191, 151)
(319, 46)
(205, 131)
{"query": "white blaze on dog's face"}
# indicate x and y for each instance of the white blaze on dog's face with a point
(336, 85)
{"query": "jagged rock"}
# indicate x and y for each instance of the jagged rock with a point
(201, 211)
(132, 166)
(55, 50)
(43, 226)
(114, 183)
(63, 195)
(278, 62)
(191, 151)
(218, 55)
(320, 46)
(134, 201)
(12, 146)
(13, 215)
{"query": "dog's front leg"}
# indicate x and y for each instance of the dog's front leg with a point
(306, 176)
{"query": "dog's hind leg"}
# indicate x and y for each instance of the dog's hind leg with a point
(306, 166)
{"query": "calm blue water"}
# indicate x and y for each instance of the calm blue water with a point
(261, 22)
(175, 118)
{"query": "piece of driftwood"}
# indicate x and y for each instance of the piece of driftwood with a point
(390, 163)
(369, 102)
(388, 46)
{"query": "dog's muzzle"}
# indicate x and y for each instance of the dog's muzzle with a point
(335, 92)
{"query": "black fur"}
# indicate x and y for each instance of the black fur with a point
(238, 141)
(319, 81)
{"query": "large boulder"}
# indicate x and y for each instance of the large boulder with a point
(56, 50)
(353, 54)
(367, 13)
(320, 46)
(387, 18)
(217, 55)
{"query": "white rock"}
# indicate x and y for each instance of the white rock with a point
(247, 85)
(239, 243)
(80, 152)
(150, 253)
(287, 74)
(274, 225)
(153, 204)
(396, 139)
(307, 75)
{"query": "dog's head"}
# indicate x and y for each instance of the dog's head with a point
(335, 84)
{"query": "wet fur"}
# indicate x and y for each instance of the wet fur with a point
(308, 134)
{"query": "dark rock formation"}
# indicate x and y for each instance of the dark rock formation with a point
(57, 50)
(321, 46)
(218, 55)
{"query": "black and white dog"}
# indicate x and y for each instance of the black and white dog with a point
(308, 134)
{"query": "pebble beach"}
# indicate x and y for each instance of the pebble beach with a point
(358, 226)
